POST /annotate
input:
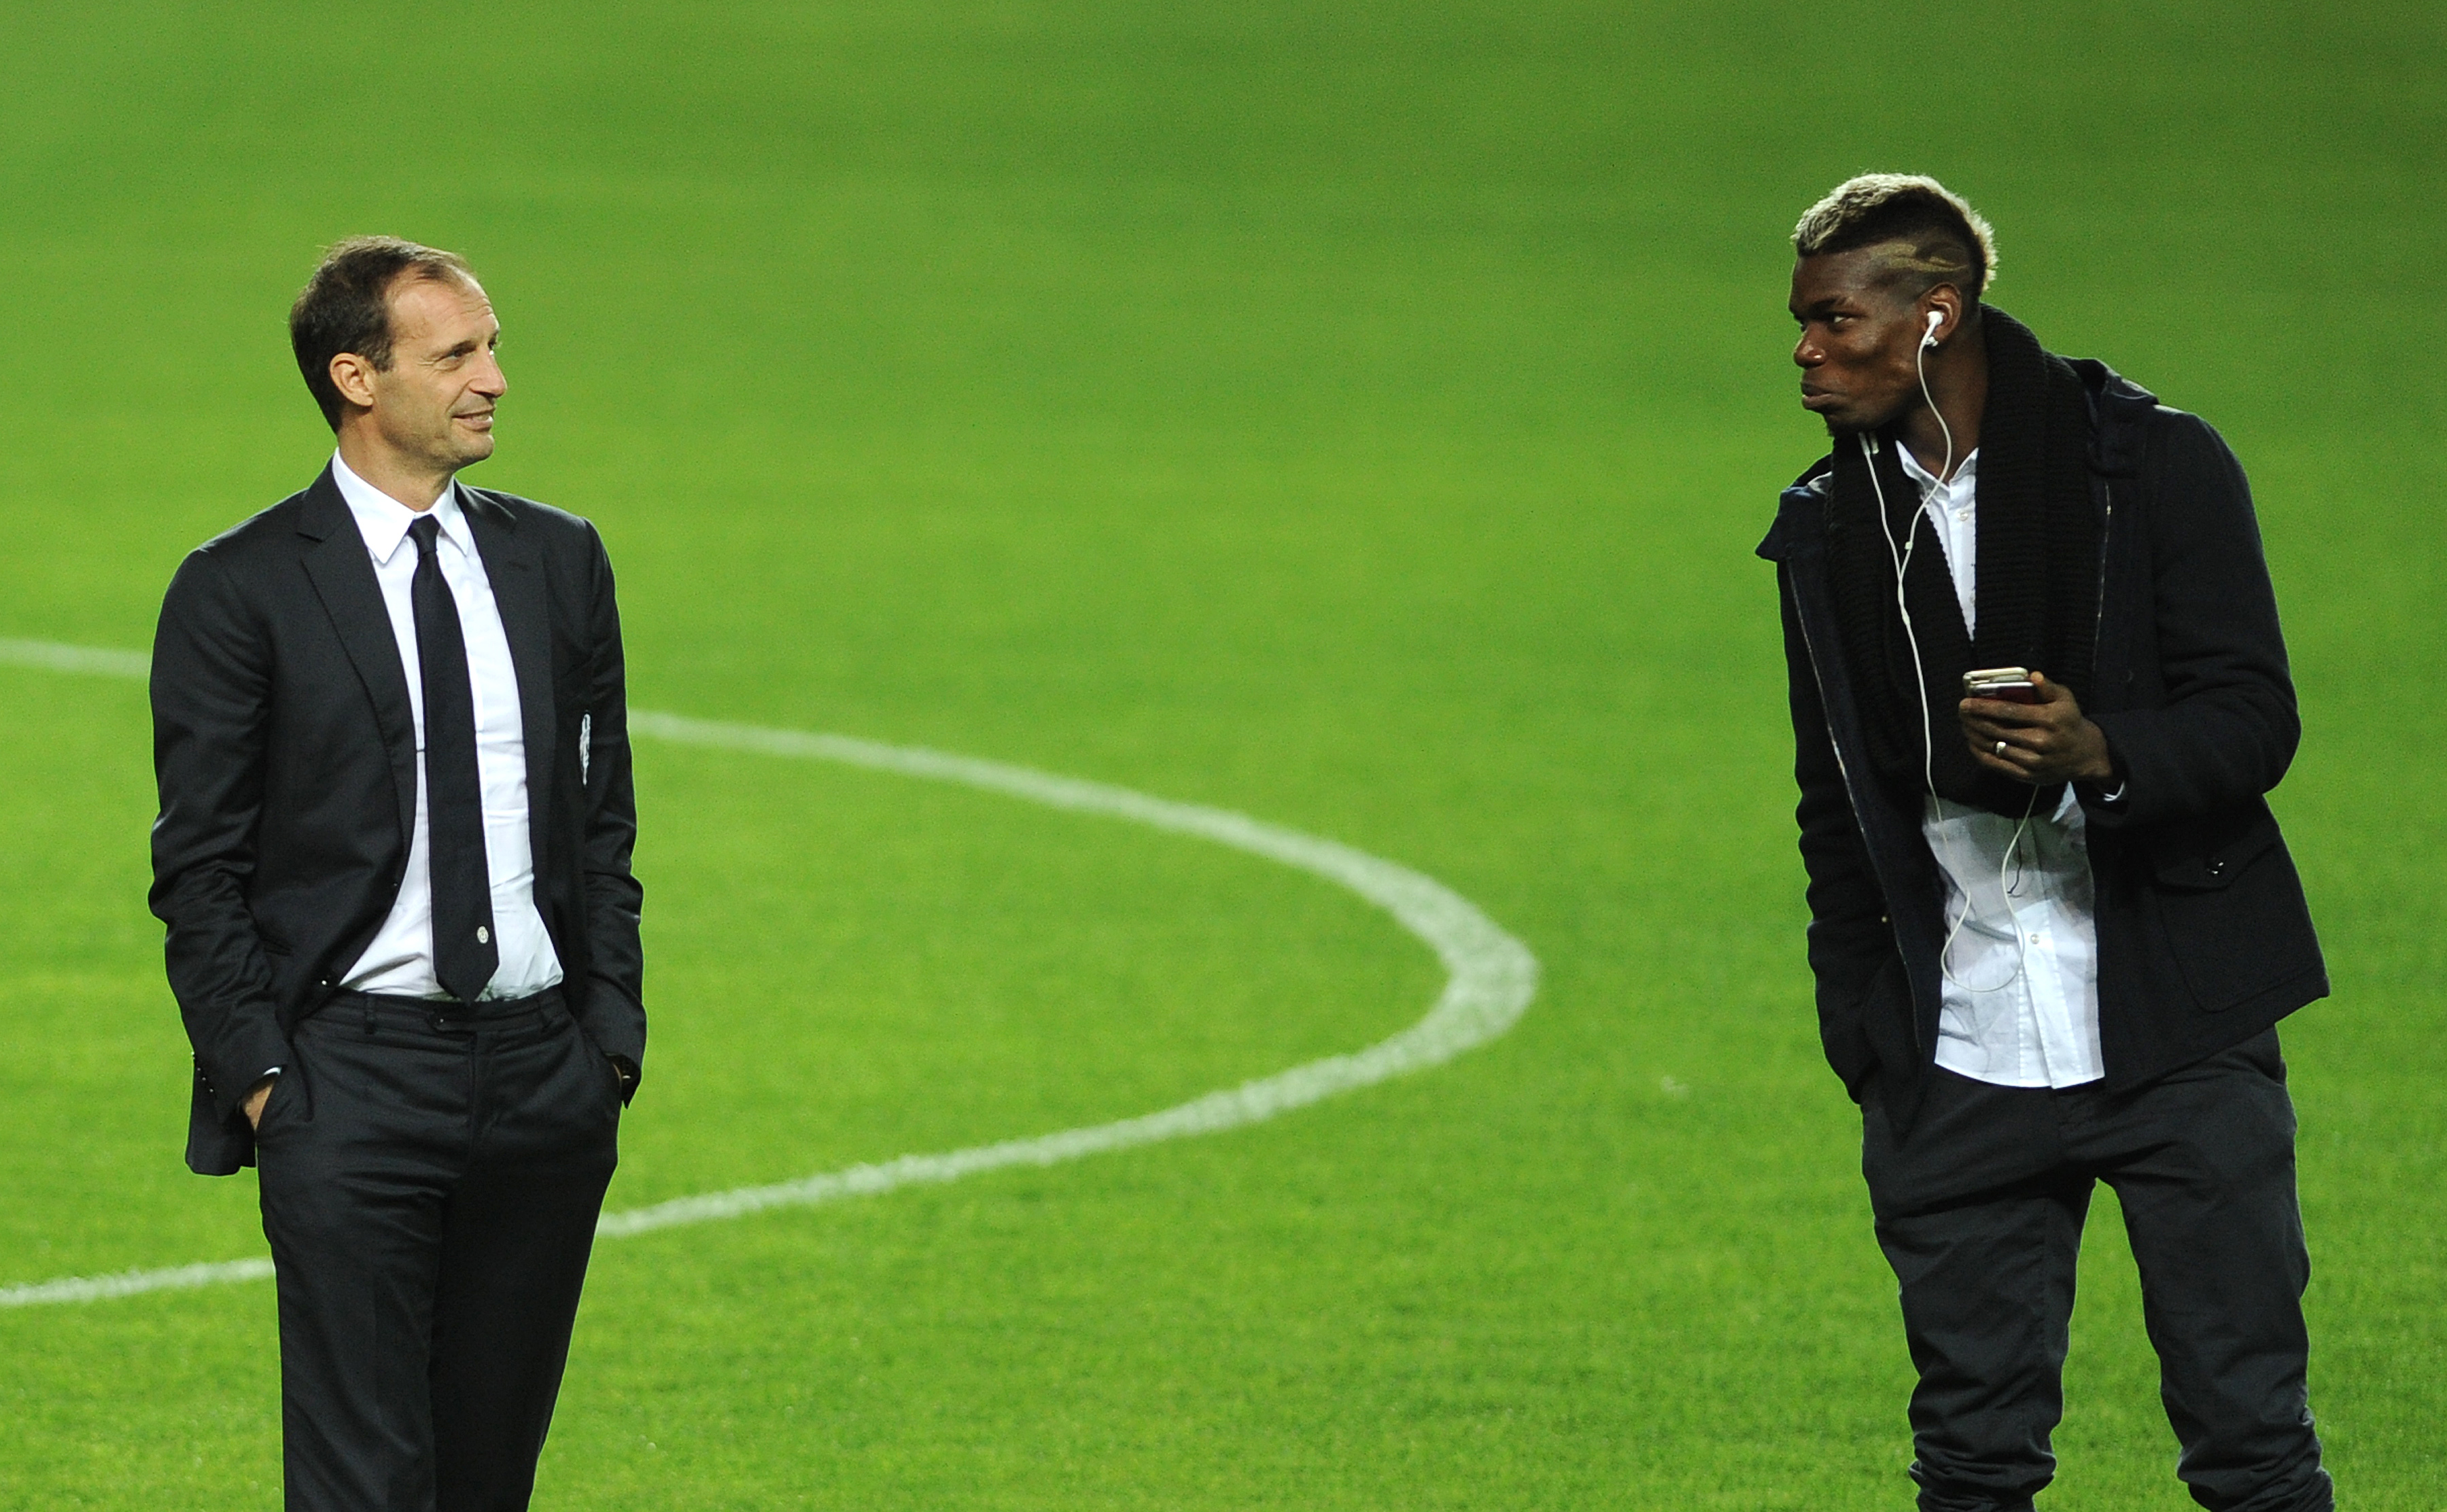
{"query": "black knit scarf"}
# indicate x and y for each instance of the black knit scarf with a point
(2037, 570)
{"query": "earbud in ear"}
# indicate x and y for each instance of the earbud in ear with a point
(1936, 318)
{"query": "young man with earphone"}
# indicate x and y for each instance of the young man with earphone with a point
(2038, 695)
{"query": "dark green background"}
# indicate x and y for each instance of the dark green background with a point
(1360, 417)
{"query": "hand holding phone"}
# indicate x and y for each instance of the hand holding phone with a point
(2047, 740)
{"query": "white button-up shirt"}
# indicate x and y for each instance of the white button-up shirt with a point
(399, 962)
(2021, 1005)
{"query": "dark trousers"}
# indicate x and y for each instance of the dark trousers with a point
(1979, 1212)
(431, 1180)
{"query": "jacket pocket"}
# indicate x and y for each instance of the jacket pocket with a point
(2209, 853)
(2231, 908)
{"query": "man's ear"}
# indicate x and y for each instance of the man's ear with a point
(354, 378)
(1945, 300)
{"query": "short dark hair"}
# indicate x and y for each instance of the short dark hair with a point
(346, 307)
(1937, 237)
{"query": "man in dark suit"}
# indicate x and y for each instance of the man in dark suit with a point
(390, 736)
(2052, 920)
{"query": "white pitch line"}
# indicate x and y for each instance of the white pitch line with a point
(1490, 977)
(51, 656)
(128, 1283)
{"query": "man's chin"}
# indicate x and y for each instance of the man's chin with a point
(1853, 423)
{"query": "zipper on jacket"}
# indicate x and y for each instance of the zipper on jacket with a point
(1810, 649)
(1852, 794)
(2098, 619)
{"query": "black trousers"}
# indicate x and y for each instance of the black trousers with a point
(430, 1177)
(1979, 1212)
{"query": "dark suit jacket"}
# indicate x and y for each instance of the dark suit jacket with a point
(285, 751)
(2204, 937)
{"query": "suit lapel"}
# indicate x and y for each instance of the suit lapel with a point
(343, 576)
(525, 603)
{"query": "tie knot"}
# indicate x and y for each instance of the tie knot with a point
(424, 528)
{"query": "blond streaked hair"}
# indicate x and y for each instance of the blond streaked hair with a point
(1926, 234)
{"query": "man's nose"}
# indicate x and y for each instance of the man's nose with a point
(490, 381)
(1806, 354)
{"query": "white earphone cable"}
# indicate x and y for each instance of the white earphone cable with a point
(1920, 368)
(1901, 556)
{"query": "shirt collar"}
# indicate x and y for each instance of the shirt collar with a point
(1966, 473)
(384, 520)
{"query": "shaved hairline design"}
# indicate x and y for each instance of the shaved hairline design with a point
(1918, 230)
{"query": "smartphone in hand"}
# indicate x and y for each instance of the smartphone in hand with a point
(2011, 685)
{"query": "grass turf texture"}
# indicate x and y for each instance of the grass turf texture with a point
(1358, 417)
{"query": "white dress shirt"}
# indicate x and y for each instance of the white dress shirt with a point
(2020, 1003)
(399, 962)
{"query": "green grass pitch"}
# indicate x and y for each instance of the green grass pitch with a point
(1359, 416)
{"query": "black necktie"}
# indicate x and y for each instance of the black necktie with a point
(465, 955)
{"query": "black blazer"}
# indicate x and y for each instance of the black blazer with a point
(285, 751)
(2204, 937)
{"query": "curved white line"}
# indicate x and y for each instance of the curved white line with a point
(128, 1283)
(51, 656)
(1490, 979)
